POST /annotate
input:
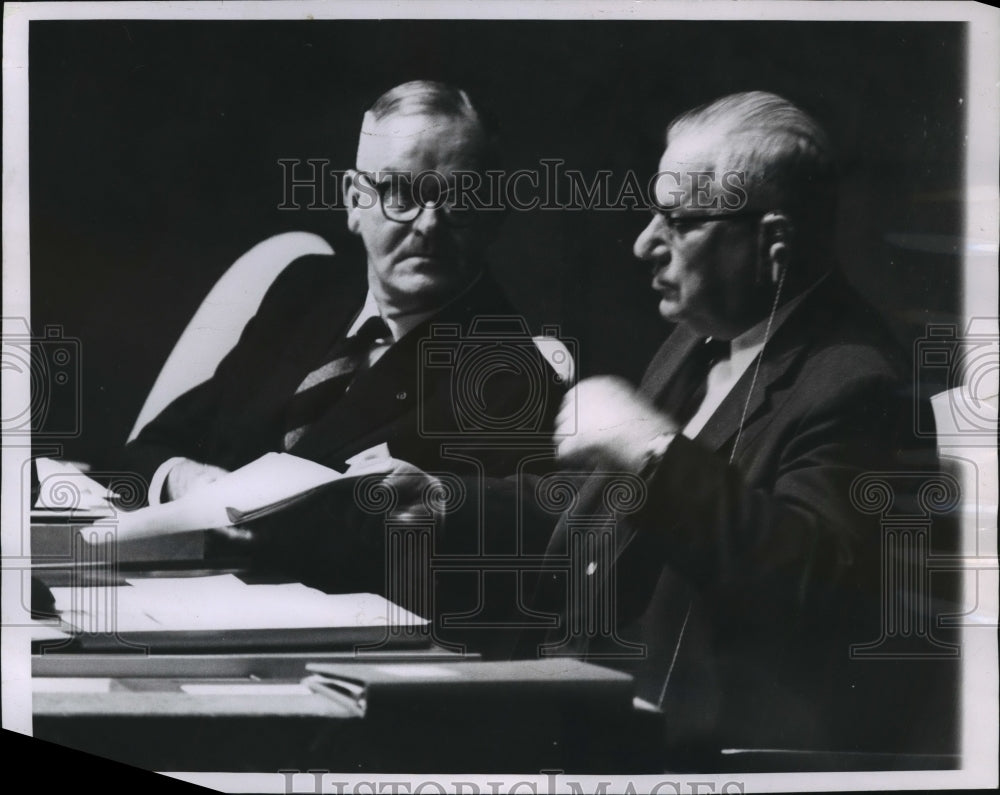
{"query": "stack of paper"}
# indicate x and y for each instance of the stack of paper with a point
(223, 611)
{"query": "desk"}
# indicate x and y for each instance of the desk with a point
(247, 711)
(152, 723)
(139, 709)
(55, 540)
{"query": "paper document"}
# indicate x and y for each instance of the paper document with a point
(62, 487)
(251, 689)
(70, 684)
(222, 610)
(261, 487)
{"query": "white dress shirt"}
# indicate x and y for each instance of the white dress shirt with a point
(399, 326)
(724, 374)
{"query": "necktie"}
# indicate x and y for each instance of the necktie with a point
(328, 383)
(686, 390)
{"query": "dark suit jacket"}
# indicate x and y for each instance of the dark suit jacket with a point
(448, 380)
(750, 581)
(466, 393)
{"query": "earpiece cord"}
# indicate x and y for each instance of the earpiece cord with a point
(732, 457)
(760, 357)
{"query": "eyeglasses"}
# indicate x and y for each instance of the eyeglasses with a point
(679, 224)
(403, 199)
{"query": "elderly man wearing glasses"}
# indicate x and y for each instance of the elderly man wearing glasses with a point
(760, 596)
(394, 350)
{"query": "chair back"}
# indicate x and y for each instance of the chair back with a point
(219, 321)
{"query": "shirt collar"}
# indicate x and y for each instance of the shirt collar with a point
(400, 325)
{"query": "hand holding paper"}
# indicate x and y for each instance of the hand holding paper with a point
(262, 486)
(187, 476)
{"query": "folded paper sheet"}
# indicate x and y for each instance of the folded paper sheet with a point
(263, 486)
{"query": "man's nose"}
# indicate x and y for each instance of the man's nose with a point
(428, 219)
(652, 244)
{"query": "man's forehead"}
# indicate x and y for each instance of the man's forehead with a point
(395, 140)
(691, 165)
(694, 151)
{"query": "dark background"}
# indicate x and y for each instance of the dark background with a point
(154, 149)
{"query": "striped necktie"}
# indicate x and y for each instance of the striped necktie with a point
(326, 384)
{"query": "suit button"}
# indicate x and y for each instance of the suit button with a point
(400, 396)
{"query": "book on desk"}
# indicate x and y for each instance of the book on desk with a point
(386, 690)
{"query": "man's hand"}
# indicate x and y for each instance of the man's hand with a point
(187, 476)
(614, 425)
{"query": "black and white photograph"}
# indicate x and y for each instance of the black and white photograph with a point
(501, 397)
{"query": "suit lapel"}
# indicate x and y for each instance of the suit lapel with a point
(725, 422)
(325, 327)
(778, 356)
(781, 353)
(632, 549)
(388, 390)
(375, 399)
(330, 295)
(667, 360)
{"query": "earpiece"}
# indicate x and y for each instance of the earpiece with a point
(778, 256)
(776, 239)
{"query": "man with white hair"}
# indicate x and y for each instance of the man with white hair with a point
(747, 578)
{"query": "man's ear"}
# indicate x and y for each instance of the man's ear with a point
(776, 246)
(352, 200)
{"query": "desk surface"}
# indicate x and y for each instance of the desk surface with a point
(154, 711)
(56, 539)
(142, 710)
(265, 724)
